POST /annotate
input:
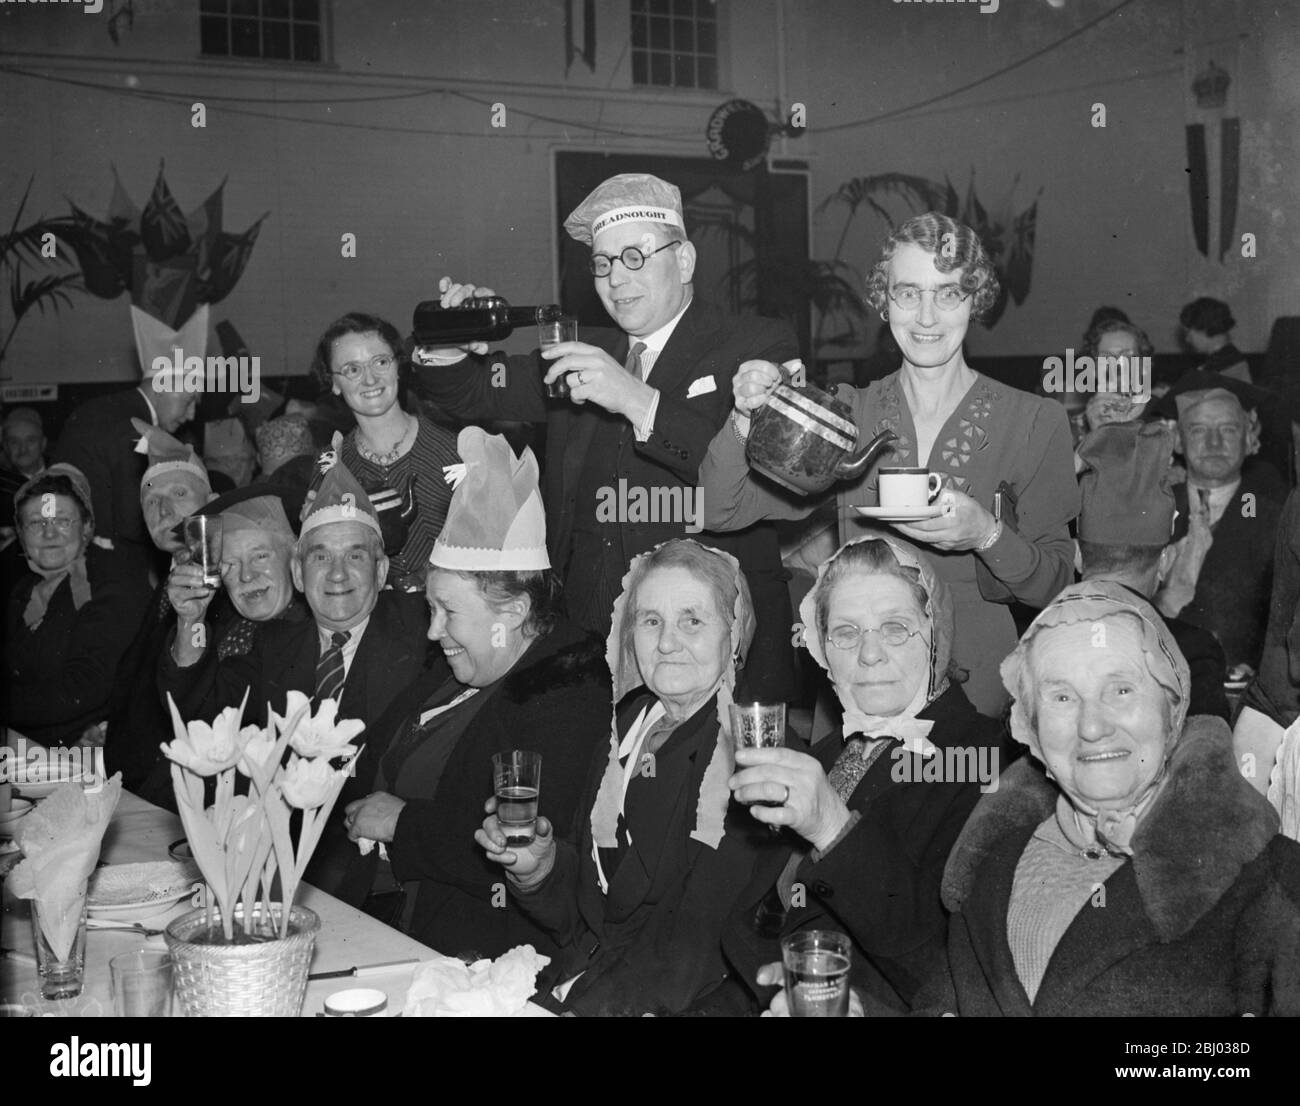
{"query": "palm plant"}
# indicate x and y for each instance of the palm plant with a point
(19, 249)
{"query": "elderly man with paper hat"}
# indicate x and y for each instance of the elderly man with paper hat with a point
(98, 437)
(360, 647)
(646, 399)
(1129, 528)
(1223, 569)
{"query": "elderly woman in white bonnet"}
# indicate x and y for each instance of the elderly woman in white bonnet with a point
(1127, 868)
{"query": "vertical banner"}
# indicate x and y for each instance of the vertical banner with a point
(1211, 73)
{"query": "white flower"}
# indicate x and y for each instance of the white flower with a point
(308, 784)
(258, 746)
(207, 749)
(321, 736)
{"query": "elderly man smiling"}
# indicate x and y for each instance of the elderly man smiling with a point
(1223, 569)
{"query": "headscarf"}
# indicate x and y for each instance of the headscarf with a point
(75, 573)
(715, 796)
(905, 726)
(1092, 601)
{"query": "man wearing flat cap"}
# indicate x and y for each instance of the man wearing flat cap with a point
(1129, 528)
(646, 399)
(1223, 569)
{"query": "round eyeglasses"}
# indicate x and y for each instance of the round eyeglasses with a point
(602, 264)
(59, 524)
(851, 637)
(946, 298)
(381, 365)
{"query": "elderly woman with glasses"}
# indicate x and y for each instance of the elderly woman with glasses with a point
(71, 615)
(877, 811)
(998, 531)
(360, 358)
(1127, 869)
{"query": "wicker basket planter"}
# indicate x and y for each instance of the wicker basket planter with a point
(262, 977)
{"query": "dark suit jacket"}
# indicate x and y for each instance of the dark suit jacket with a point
(653, 942)
(99, 439)
(1232, 591)
(707, 343)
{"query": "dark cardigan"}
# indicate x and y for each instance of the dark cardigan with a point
(557, 702)
(1203, 921)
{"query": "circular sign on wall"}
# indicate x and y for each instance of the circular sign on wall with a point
(738, 133)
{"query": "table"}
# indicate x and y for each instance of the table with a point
(141, 831)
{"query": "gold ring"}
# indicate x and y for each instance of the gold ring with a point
(787, 795)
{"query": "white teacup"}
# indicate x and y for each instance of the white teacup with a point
(908, 488)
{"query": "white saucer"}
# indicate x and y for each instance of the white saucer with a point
(901, 514)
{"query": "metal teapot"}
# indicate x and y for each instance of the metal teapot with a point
(805, 439)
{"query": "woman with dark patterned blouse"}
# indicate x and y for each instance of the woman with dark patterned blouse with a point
(983, 438)
(359, 358)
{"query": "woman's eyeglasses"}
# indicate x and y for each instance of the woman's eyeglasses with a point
(355, 370)
(946, 298)
(891, 633)
(61, 525)
(602, 264)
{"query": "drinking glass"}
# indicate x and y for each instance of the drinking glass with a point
(202, 537)
(59, 934)
(758, 725)
(551, 333)
(517, 781)
(142, 984)
(817, 973)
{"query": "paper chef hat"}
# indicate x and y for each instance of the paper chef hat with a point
(263, 508)
(495, 522)
(155, 339)
(166, 454)
(628, 197)
(1127, 495)
(340, 498)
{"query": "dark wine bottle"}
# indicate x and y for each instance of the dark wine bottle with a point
(476, 320)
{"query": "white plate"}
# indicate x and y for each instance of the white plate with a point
(900, 514)
(133, 892)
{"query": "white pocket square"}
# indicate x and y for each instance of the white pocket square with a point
(701, 387)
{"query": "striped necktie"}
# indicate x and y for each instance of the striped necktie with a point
(633, 363)
(329, 669)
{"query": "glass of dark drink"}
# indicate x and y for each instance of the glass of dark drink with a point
(552, 332)
(202, 537)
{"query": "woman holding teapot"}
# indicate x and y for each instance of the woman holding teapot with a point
(1004, 459)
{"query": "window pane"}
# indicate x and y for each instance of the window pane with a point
(307, 9)
(275, 9)
(683, 7)
(661, 6)
(707, 73)
(212, 35)
(661, 69)
(213, 7)
(243, 7)
(683, 35)
(639, 32)
(640, 69)
(245, 38)
(275, 39)
(306, 42)
(659, 35)
(683, 70)
(706, 38)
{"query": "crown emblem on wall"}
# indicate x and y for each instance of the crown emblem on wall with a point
(1211, 87)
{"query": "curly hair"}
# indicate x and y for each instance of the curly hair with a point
(1099, 330)
(356, 322)
(954, 246)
